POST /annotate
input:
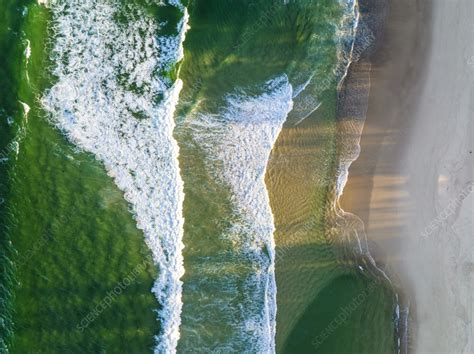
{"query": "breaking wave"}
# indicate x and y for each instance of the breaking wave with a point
(238, 141)
(112, 99)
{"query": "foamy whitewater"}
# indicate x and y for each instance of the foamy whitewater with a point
(238, 141)
(103, 101)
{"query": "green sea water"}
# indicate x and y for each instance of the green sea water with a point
(349, 315)
(242, 44)
(73, 239)
(68, 238)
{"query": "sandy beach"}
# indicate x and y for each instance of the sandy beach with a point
(412, 183)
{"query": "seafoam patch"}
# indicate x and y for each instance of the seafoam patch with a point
(238, 141)
(109, 100)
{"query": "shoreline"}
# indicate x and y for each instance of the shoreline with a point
(296, 167)
(403, 179)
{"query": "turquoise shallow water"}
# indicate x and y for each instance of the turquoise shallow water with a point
(70, 236)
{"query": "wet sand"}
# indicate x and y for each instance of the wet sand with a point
(412, 183)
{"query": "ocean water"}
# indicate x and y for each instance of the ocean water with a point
(73, 240)
(170, 172)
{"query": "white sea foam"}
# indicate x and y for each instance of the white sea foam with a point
(27, 53)
(26, 109)
(105, 101)
(238, 141)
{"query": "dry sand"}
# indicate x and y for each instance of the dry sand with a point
(412, 183)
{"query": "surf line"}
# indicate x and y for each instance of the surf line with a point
(110, 100)
(366, 41)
